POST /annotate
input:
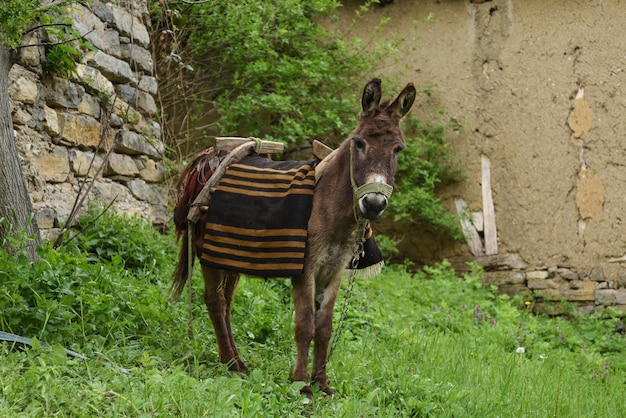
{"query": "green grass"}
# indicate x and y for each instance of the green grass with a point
(413, 345)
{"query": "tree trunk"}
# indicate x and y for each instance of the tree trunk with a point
(15, 204)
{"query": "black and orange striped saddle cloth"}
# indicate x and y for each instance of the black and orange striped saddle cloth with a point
(258, 216)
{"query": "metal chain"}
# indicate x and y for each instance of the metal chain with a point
(358, 251)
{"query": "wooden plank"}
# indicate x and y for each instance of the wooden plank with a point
(489, 213)
(477, 221)
(471, 234)
(226, 143)
(320, 150)
(507, 261)
(321, 166)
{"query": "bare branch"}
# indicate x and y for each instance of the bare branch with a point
(45, 25)
(67, 41)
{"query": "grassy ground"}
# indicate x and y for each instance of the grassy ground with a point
(420, 345)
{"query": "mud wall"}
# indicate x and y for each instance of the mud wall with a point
(541, 90)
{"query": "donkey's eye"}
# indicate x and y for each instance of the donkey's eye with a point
(396, 151)
(359, 144)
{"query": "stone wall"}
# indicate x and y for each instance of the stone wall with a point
(99, 124)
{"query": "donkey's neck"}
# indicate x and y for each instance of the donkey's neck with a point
(333, 194)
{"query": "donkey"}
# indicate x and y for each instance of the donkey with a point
(352, 190)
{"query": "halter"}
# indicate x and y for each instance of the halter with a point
(359, 191)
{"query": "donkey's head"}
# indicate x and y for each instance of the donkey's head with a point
(374, 147)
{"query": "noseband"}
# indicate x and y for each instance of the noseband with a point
(359, 191)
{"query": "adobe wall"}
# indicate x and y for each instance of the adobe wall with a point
(540, 88)
(65, 128)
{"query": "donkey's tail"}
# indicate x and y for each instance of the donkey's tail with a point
(190, 183)
(183, 269)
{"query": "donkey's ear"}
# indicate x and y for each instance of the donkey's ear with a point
(401, 106)
(371, 95)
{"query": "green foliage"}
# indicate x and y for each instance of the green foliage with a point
(87, 286)
(426, 162)
(123, 240)
(15, 18)
(11, 240)
(268, 68)
(61, 59)
(63, 42)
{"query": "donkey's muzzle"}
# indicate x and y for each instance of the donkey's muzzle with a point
(372, 205)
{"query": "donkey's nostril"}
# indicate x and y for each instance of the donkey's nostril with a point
(372, 205)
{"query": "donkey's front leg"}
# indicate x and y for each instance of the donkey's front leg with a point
(324, 306)
(303, 287)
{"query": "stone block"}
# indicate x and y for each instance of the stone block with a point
(23, 85)
(538, 283)
(90, 106)
(61, 92)
(151, 171)
(51, 121)
(128, 25)
(586, 293)
(80, 130)
(21, 116)
(121, 165)
(102, 11)
(132, 143)
(84, 163)
(108, 190)
(597, 274)
(31, 56)
(94, 81)
(45, 218)
(159, 215)
(148, 84)
(503, 277)
(138, 57)
(114, 69)
(126, 112)
(537, 274)
(611, 296)
(54, 167)
(138, 99)
(95, 30)
(567, 274)
(514, 289)
(150, 193)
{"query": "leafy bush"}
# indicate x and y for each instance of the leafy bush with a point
(423, 165)
(92, 286)
(267, 69)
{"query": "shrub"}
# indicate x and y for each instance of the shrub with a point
(93, 286)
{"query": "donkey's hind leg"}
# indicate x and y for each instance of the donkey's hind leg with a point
(219, 291)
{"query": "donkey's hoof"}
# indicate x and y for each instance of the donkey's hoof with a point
(306, 391)
(237, 365)
(327, 390)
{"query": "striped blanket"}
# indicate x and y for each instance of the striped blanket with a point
(258, 217)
